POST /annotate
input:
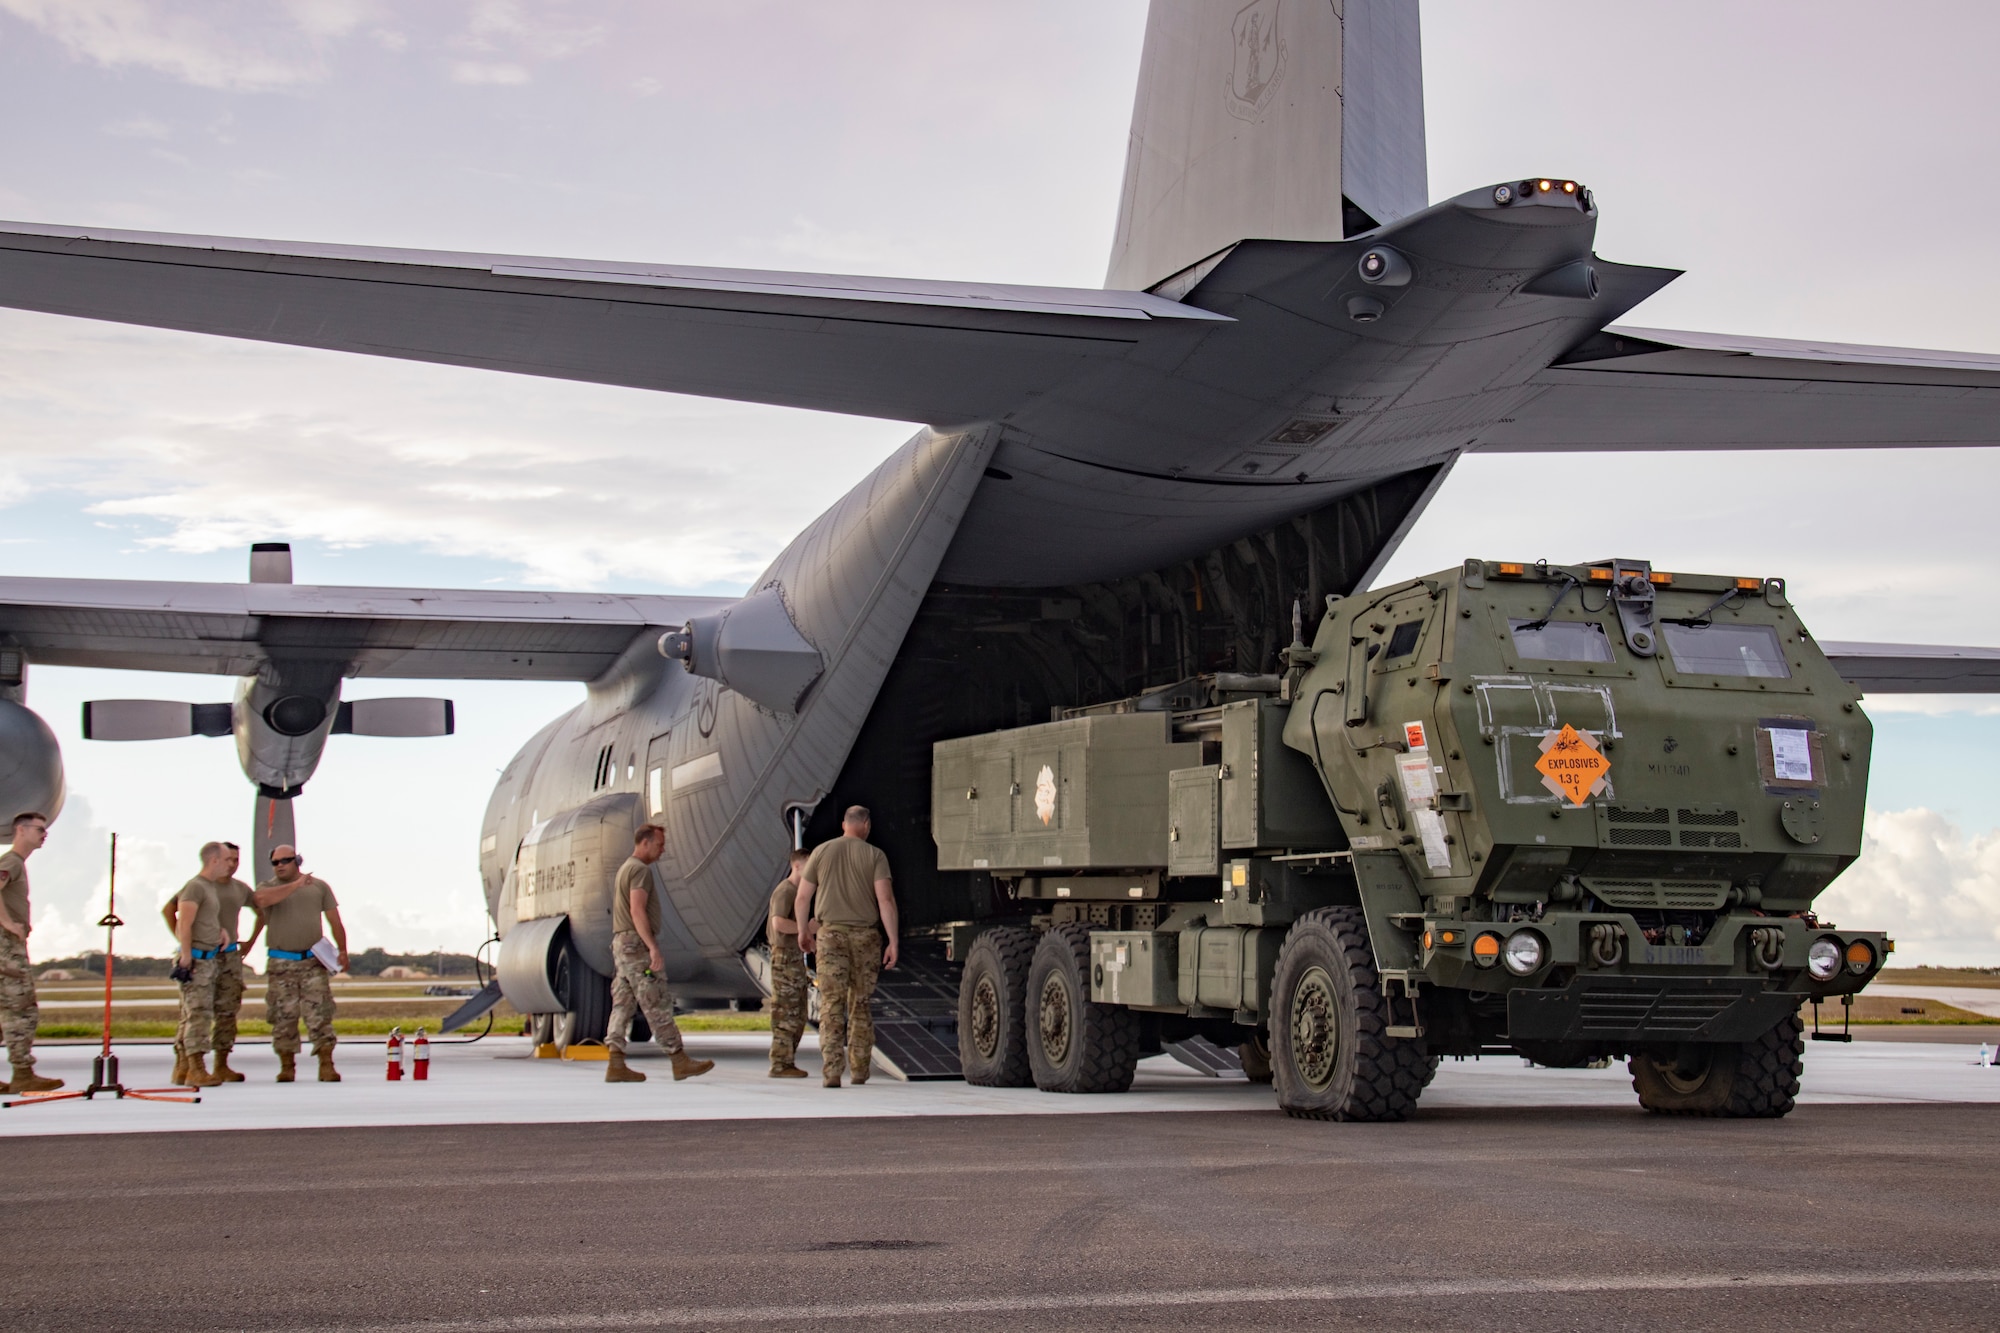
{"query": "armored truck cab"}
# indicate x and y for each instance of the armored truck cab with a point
(1572, 812)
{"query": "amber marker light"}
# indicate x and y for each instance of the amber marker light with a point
(1544, 185)
(1569, 187)
(1510, 571)
(1860, 957)
(1600, 576)
(1663, 579)
(1749, 585)
(1486, 949)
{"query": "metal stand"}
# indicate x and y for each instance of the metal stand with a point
(1846, 1032)
(104, 1069)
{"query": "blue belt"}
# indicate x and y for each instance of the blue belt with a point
(286, 955)
(205, 953)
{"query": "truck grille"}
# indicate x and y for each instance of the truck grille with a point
(1659, 1009)
(1656, 826)
(1678, 895)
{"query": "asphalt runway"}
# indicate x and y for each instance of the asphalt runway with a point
(1843, 1216)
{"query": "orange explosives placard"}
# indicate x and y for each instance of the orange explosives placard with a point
(1572, 765)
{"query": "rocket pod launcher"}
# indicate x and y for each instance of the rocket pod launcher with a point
(1575, 812)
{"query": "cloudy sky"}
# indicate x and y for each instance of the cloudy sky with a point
(1821, 170)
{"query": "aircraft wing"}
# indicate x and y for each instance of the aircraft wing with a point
(409, 633)
(907, 350)
(1915, 668)
(1640, 389)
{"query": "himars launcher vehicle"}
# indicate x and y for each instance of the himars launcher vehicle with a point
(1116, 492)
(1570, 812)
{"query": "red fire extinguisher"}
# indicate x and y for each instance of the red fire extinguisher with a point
(420, 1056)
(395, 1053)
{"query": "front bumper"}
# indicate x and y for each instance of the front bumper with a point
(1645, 1010)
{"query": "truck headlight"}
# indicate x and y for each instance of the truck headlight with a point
(1823, 959)
(1524, 952)
(1860, 957)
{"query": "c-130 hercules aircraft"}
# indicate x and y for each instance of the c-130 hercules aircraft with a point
(1114, 490)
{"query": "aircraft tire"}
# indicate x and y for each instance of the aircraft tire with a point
(590, 1015)
(1075, 1044)
(1331, 1055)
(1750, 1080)
(993, 1009)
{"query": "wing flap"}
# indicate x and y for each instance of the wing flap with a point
(408, 633)
(1916, 668)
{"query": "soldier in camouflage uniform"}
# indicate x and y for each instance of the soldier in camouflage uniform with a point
(848, 878)
(293, 903)
(232, 896)
(195, 916)
(641, 983)
(788, 975)
(19, 1013)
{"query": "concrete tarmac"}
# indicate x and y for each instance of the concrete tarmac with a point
(1840, 1217)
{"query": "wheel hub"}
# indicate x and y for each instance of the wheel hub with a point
(985, 1018)
(1315, 1028)
(1054, 1020)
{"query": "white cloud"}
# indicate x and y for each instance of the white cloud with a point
(239, 47)
(138, 127)
(1932, 886)
(482, 72)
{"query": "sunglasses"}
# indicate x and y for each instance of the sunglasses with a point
(284, 860)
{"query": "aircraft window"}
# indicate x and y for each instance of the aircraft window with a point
(1726, 650)
(1560, 640)
(655, 798)
(1404, 641)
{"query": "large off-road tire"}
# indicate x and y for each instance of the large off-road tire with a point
(993, 1009)
(1331, 1055)
(1751, 1080)
(1073, 1044)
(1256, 1057)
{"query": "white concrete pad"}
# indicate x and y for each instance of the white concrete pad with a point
(495, 1082)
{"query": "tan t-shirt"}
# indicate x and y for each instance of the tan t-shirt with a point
(207, 933)
(784, 901)
(843, 874)
(14, 885)
(635, 874)
(231, 897)
(294, 924)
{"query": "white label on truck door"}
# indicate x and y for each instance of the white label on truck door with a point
(1430, 828)
(1420, 786)
(1791, 755)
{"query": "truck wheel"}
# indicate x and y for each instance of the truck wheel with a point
(993, 1009)
(1331, 1057)
(1751, 1079)
(1073, 1044)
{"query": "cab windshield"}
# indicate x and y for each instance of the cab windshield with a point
(1560, 640)
(1726, 650)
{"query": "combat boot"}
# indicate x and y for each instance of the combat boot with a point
(787, 1071)
(685, 1066)
(179, 1079)
(27, 1080)
(617, 1071)
(222, 1069)
(288, 1068)
(327, 1073)
(857, 1076)
(198, 1075)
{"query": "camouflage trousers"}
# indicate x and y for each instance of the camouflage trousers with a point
(197, 1026)
(228, 998)
(18, 1011)
(637, 989)
(788, 1000)
(295, 989)
(850, 962)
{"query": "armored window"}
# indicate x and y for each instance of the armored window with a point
(1726, 650)
(1560, 640)
(1404, 641)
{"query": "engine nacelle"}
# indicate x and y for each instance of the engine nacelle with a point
(31, 767)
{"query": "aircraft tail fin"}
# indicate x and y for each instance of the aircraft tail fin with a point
(1270, 119)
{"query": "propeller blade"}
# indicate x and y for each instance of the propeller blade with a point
(153, 719)
(395, 717)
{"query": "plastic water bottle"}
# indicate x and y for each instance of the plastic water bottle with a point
(1985, 1056)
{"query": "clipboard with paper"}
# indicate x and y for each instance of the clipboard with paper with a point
(326, 954)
